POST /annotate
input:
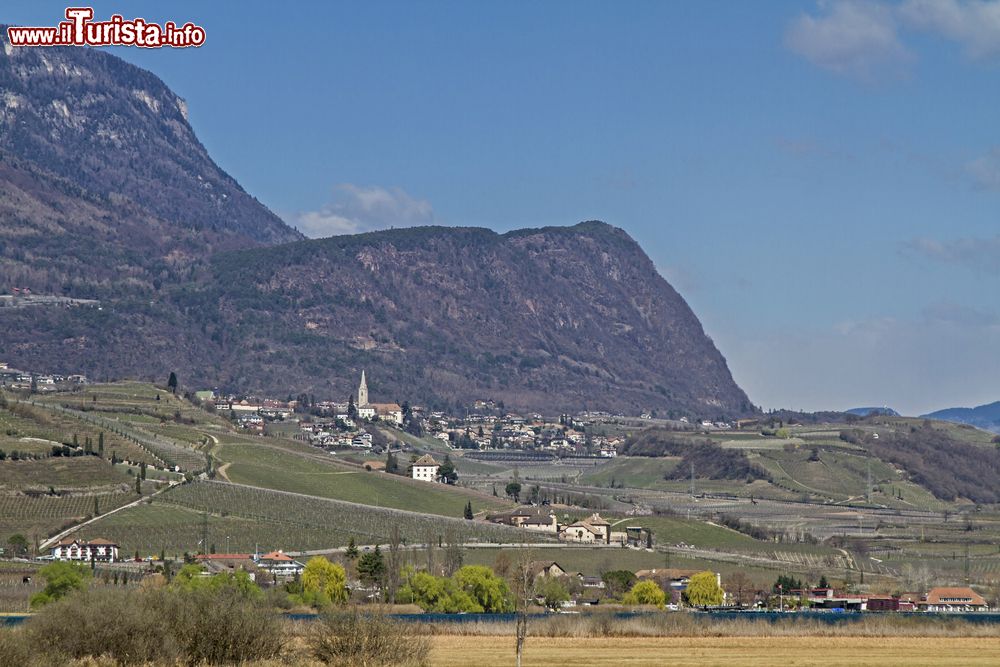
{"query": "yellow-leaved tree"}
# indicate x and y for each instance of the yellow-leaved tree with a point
(646, 592)
(323, 583)
(703, 590)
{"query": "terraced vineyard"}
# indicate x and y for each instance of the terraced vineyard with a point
(162, 450)
(42, 515)
(19, 421)
(272, 519)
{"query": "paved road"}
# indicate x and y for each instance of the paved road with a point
(70, 531)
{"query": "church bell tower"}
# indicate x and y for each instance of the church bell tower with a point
(362, 391)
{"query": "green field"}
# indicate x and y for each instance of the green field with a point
(271, 520)
(634, 472)
(315, 473)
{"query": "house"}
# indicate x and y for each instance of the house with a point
(390, 412)
(953, 599)
(279, 564)
(542, 522)
(882, 603)
(591, 530)
(514, 517)
(425, 469)
(529, 518)
(97, 549)
(546, 568)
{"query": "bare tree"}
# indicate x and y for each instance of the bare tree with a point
(522, 586)
(452, 554)
(739, 586)
(394, 565)
(430, 552)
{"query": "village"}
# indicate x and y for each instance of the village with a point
(352, 426)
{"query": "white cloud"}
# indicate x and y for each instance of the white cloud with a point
(975, 24)
(862, 39)
(979, 254)
(355, 209)
(985, 171)
(850, 37)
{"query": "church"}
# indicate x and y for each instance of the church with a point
(390, 412)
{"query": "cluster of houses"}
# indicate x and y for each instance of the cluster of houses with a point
(591, 530)
(253, 413)
(567, 436)
(100, 550)
(277, 564)
(12, 378)
(939, 599)
(338, 424)
(489, 427)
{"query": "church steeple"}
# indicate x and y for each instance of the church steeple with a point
(362, 391)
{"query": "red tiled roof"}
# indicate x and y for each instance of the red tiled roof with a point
(956, 595)
(97, 542)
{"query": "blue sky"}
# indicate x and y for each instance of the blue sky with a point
(820, 180)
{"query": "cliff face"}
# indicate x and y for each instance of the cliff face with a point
(558, 318)
(106, 193)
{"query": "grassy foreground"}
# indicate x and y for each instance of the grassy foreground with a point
(450, 650)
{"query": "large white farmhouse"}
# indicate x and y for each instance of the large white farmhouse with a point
(97, 549)
(425, 469)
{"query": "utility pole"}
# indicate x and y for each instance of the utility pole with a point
(204, 532)
(868, 493)
(692, 479)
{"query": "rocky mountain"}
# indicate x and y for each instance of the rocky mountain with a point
(986, 417)
(106, 193)
(561, 317)
(103, 180)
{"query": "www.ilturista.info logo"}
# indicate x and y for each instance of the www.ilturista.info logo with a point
(81, 30)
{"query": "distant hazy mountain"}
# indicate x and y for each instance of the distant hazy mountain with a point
(864, 412)
(986, 417)
(106, 193)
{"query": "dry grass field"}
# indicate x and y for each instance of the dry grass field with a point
(450, 650)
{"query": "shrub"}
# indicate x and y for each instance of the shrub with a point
(61, 578)
(136, 627)
(486, 588)
(15, 650)
(646, 592)
(354, 637)
(99, 623)
(438, 594)
(222, 626)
